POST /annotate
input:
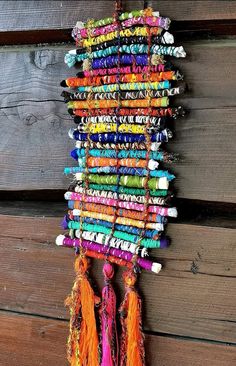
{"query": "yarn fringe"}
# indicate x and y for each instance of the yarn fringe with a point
(83, 344)
(108, 320)
(132, 339)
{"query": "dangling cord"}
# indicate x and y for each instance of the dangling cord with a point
(110, 347)
(132, 340)
(108, 319)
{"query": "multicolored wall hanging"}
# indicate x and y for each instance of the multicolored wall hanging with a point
(119, 202)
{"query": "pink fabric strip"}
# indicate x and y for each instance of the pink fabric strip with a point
(124, 70)
(150, 20)
(122, 204)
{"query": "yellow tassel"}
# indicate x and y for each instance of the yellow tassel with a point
(83, 345)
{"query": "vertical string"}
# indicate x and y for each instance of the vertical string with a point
(87, 147)
(148, 148)
(117, 113)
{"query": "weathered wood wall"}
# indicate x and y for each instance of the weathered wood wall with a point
(189, 309)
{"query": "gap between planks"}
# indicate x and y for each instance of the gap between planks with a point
(52, 204)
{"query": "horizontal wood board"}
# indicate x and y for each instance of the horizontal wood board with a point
(41, 342)
(34, 122)
(193, 296)
(64, 14)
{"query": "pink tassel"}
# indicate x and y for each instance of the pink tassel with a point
(108, 320)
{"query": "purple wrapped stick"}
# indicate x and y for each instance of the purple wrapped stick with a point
(146, 264)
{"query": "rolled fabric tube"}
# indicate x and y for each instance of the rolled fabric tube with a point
(111, 153)
(98, 232)
(71, 196)
(122, 170)
(142, 262)
(123, 154)
(111, 61)
(162, 136)
(128, 162)
(140, 172)
(111, 202)
(154, 146)
(73, 82)
(91, 214)
(155, 112)
(156, 122)
(137, 31)
(166, 39)
(143, 103)
(119, 220)
(91, 220)
(113, 127)
(130, 69)
(122, 128)
(110, 20)
(128, 190)
(69, 223)
(118, 241)
(114, 195)
(138, 215)
(79, 33)
(129, 214)
(111, 88)
(153, 234)
(128, 181)
(129, 95)
(134, 49)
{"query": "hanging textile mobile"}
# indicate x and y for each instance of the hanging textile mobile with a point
(120, 199)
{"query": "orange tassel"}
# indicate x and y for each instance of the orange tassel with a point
(132, 339)
(83, 345)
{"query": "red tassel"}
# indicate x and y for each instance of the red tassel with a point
(108, 320)
(82, 347)
(132, 339)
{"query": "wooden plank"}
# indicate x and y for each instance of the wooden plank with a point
(56, 14)
(183, 30)
(34, 122)
(195, 9)
(193, 296)
(64, 14)
(27, 340)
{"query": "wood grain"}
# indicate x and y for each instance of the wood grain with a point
(64, 14)
(34, 122)
(56, 14)
(27, 340)
(193, 296)
(195, 9)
